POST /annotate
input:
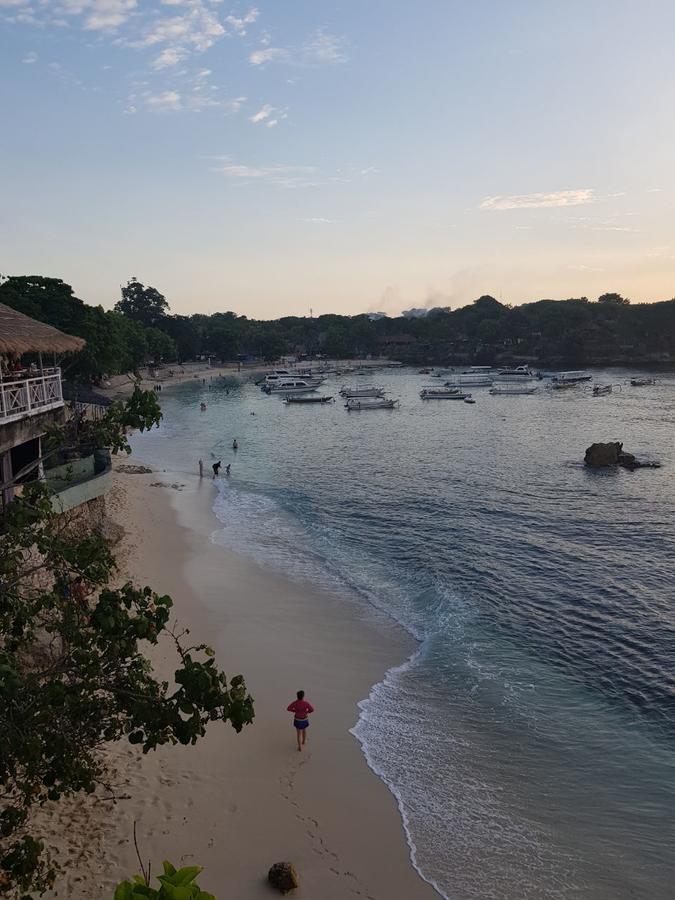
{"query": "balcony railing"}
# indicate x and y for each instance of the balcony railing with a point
(30, 394)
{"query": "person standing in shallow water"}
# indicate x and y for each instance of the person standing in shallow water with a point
(301, 709)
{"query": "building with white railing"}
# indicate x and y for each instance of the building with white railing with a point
(35, 393)
(31, 395)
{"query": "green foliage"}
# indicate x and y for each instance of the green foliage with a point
(174, 885)
(73, 671)
(144, 305)
(141, 412)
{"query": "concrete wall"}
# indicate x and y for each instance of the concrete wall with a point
(69, 474)
(84, 492)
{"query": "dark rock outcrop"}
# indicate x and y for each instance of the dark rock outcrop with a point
(283, 877)
(613, 454)
(603, 454)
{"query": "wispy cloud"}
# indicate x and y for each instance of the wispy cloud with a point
(269, 116)
(284, 175)
(170, 56)
(320, 49)
(239, 24)
(279, 175)
(319, 220)
(167, 101)
(188, 99)
(539, 201)
(264, 113)
(180, 27)
(30, 57)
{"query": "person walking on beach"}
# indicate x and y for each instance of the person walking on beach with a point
(201, 468)
(216, 468)
(301, 709)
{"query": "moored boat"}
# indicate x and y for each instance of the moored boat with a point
(470, 379)
(513, 388)
(362, 390)
(574, 377)
(600, 390)
(443, 394)
(642, 382)
(354, 403)
(305, 398)
(290, 386)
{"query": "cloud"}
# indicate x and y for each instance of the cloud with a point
(318, 220)
(239, 25)
(320, 49)
(167, 101)
(170, 56)
(106, 15)
(30, 57)
(539, 201)
(269, 54)
(278, 175)
(284, 175)
(263, 113)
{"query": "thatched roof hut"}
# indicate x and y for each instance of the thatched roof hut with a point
(20, 334)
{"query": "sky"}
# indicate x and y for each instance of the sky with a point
(345, 157)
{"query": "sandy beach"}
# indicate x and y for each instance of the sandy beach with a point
(235, 804)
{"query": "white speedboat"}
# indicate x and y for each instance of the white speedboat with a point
(279, 377)
(356, 403)
(519, 371)
(362, 390)
(443, 394)
(642, 382)
(575, 377)
(291, 386)
(512, 388)
(518, 375)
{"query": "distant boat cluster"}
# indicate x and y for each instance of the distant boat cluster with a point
(301, 386)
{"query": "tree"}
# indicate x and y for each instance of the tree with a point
(144, 305)
(160, 345)
(617, 299)
(73, 671)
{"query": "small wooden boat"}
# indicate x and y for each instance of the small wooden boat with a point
(469, 399)
(443, 394)
(601, 390)
(642, 382)
(308, 399)
(370, 403)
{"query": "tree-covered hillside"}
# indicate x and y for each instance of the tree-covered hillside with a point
(141, 328)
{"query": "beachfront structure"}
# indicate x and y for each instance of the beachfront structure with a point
(32, 399)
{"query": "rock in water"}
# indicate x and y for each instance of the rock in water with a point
(283, 877)
(613, 454)
(603, 454)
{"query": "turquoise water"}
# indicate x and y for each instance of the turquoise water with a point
(530, 741)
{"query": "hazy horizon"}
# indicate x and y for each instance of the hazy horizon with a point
(338, 157)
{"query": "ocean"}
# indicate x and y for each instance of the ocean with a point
(530, 740)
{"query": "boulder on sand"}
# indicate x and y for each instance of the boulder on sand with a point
(283, 877)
